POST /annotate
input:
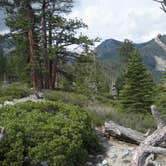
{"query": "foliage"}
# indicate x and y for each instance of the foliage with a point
(67, 97)
(101, 113)
(138, 91)
(109, 51)
(126, 50)
(91, 77)
(50, 132)
(13, 91)
(2, 64)
(40, 37)
(160, 97)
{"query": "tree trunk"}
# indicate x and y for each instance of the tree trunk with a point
(44, 45)
(31, 40)
(123, 133)
(151, 143)
(53, 75)
(2, 133)
(52, 62)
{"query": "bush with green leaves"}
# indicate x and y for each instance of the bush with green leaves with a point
(50, 132)
(67, 97)
(13, 91)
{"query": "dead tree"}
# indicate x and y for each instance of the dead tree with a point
(124, 134)
(2, 133)
(163, 4)
(151, 145)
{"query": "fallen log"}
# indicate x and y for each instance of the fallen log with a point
(151, 144)
(123, 133)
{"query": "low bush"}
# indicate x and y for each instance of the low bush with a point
(137, 121)
(52, 132)
(67, 97)
(13, 91)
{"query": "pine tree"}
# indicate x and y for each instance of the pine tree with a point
(126, 49)
(125, 52)
(161, 93)
(137, 93)
(41, 35)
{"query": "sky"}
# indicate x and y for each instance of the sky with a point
(137, 20)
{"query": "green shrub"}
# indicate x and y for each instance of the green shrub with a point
(13, 91)
(51, 131)
(67, 97)
(137, 121)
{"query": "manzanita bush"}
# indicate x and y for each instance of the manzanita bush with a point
(51, 132)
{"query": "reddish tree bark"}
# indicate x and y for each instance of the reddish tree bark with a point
(44, 45)
(31, 40)
(52, 62)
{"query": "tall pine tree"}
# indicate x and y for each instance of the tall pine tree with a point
(138, 92)
(42, 35)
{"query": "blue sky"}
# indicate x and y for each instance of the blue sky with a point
(137, 20)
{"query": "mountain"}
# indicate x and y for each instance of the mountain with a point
(153, 53)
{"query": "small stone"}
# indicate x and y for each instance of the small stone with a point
(44, 163)
(99, 164)
(100, 157)
(105, 163)
(89, 163)
(91, 156)
(112, 156)
(125, 154)
(8, 103)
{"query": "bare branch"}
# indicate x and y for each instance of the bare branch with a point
(156, 150)
(2, 133)
(160, 122)
(163, 4)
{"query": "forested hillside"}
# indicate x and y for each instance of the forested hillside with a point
(152, 53)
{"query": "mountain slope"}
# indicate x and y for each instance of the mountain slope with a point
(153, 55)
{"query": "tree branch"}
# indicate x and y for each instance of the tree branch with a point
(156, 150)
(160, 122)
(2, 133)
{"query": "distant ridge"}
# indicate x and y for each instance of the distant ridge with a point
(152, 52)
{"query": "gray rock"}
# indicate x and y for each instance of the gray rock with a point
(8, 103)
(99, 164)
(112, 156)
(125, 153)
(105, 163)
(44, 163)
(89, 164)
(100, 157)
(91, 156)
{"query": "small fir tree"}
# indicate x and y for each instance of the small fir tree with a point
(137, 93)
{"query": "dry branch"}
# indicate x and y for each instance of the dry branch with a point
(2, 133)
(123, 133)
(151, 143)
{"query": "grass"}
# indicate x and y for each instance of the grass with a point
(13, 91)
(67, 97)
(137, 121)
(101, 111)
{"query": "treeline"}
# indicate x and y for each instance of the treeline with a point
(42, 38)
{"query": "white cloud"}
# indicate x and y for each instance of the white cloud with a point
(137, 20)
